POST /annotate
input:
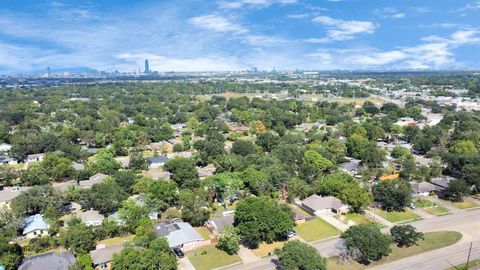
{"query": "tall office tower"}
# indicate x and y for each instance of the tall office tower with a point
(147, 68)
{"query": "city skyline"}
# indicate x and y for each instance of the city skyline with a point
(236, 35)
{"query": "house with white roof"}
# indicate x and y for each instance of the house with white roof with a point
(35, 226)
(180, 235)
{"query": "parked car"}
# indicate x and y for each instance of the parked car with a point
(413, 206)
(178, 252)
(292, 233)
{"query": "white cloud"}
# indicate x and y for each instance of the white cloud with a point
(434, 52)
(338, 30)
(389, 13)
(253, 3)
(218, 24)
(471, 6)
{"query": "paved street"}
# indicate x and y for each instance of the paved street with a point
(466, 222)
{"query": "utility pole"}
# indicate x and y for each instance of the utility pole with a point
(468, 258)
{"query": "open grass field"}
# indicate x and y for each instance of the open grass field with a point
(265, 249)
(465, 204)
(209, 257)
(397, 216)
(471, 265)
(315, 230)
(433, 240)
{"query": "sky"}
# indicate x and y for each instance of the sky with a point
(221, 35)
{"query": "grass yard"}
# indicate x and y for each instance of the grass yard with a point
(315, 230)
(397, 216)
(204, 232)
(265, 249)
(357, 218)
(115, 240)
(209, 257)
(463, 266)
(433, 240)
(431, 208)
(465, 204)
(299, 210)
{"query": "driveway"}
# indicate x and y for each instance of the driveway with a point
(247, 255)
(185, 264)
(333, 221)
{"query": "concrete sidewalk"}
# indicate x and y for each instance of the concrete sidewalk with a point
(379, 219)
(247, 255)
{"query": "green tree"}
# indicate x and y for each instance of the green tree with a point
(161, 195)
(271, 223)
(298, 255)
(267, 141)
(463, 147)
(405, 235)
(243, 148)
(183, 171)
(456, 190)
(228, 240)
(105, 197)
(36, 200)
(132, 213)
(79, 238)
(368, 241)
(138, 161)
(394, 195)
(10, 254)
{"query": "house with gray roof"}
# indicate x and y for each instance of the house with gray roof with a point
(9, 193)
(217, 224)
(50, 261)
(34, 158)
(442, 181)
(424, 188)
(317, 205)
(155, 162)
(94, 179)
(91, 217)
(180, 234)
(351, 166)
(35, 226)
(102, 257)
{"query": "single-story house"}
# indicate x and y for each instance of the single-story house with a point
(78, 166)
(179, 126)
(162, 147)
(92, 150)
(157, 174)
(184, 154)
(5, 148)
(35, 226)
(102, 256)
(351, 166)
(204, 173)
(94, 179)
(217, 224)
(442, 181)
(424, 188)
(64, 186)
(50, 261)
(7, 194)
(91, 217)
(155, 162)
(7, 160)
(125, 161)
(180, 235)
(34, 158)
(316, 205)
(423, 161)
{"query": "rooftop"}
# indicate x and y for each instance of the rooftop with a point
(33, 223)
(178, 233)
(50, 261)
(316, 202)
(105, 254)
(10, 193)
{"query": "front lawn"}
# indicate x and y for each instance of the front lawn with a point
(465, 204)
(397, 216)
(315, 230)
(356, 218)
(433, 240)
(431, 208)
(209, 257)
(471, 265)
(265, 249)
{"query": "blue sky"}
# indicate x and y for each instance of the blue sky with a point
(200, 35)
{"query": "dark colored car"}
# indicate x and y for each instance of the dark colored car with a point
(178, 252)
